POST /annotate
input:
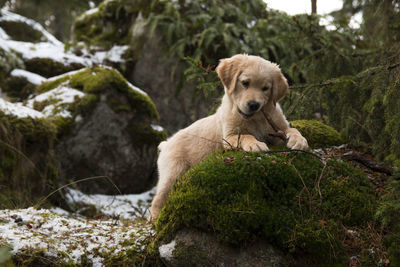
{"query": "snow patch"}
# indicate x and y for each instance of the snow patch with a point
(19, 110)
(157, 128)
(45, 50)
(137, 89)
(167, 250)
(113, 55)
(70, 238)
(31, 77)
(91, 11)
(57, 97)
(122, 206)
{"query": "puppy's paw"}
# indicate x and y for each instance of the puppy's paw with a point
(297, 141)
(255, 146)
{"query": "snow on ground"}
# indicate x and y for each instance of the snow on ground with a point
(70, 238)
(122, 206)
(58, 98)
(18, 110)
(30, 76)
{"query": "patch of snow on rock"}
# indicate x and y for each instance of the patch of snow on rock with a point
(46, 50)
(31, 77)
(58, 97)
(137, 89)
(157, 127)
(18, 110)
(113, 55)
(167, 250)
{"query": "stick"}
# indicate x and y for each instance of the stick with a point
(279, 133)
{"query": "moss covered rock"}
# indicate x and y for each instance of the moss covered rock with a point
(318, 134)
(28, 167)
(294, 201)
(20, 31)
(49, 67)
(107, 127)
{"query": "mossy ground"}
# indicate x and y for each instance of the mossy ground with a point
(318, 134)
(293, 200)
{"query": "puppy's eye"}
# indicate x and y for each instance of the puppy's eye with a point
(265, 88)
(246, 84)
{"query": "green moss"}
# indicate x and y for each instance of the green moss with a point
(317, 133)
(97, 80)
(20, 31)
(111, 22)
(18, 87)
(49, 85)
(388, 214)
(28, 167)
(48, 67)
(243, 196)
(143, 134)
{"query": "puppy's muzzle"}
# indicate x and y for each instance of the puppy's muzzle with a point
(252, 107)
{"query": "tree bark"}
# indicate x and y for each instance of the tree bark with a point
(313, 6)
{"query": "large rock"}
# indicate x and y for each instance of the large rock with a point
(107, 128)
(148, 64)
(195, 248)
(302, 207)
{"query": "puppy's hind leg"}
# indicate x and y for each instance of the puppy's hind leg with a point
(169, 170)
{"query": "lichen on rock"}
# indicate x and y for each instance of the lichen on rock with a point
(296, 202)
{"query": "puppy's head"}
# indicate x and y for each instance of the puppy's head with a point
(251, 82)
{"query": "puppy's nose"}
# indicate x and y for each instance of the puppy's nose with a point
(253, 105)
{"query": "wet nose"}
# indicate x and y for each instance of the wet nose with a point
(253, 105)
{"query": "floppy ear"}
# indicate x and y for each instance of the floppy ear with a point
(228, 71)
(280, 88)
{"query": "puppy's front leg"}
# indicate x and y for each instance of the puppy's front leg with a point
(246, 142)
(295, 139)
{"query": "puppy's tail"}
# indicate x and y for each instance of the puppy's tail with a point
(161, 145)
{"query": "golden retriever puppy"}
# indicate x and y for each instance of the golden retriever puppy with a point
(253, 86)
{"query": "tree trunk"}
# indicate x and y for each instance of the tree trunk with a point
(313, 6)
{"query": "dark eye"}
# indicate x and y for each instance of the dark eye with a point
(265, 88)
(246, 84)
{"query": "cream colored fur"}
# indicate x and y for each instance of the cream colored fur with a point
(238, 122)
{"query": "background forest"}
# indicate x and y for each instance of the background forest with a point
(348, 77)
(136, 71)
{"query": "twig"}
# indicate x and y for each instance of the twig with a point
(279, 133)
(371, 164)
(75, 182)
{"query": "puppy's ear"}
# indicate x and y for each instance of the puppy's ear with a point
(228, 71)
(280, 88)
